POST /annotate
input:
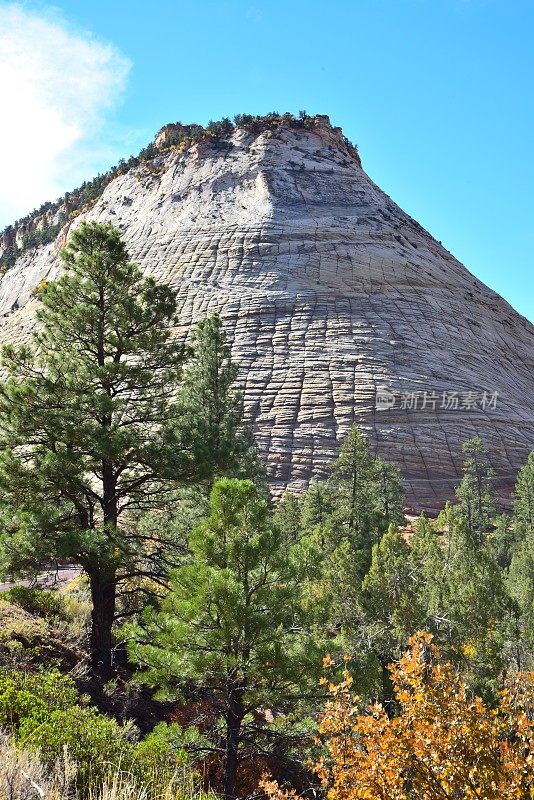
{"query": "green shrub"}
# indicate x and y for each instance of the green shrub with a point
(162, 752)
(38, 601)
(98, 744)
(33, 696)
(43, 712)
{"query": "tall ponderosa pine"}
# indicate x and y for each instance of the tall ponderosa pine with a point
(217, 437)
(520, 583)
(476, 608)
(210, 426)
(86, 420)
(389, 596)
(288, 516)
(237, 621)
(475, 496)
(524, 499)
(353, 479)
(367, 495)
(318, 505)
(390, 495)
(368, 491)
(427, 568)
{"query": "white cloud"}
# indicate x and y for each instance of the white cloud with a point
(56, 89)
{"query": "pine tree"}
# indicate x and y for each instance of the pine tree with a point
(288, 516)
(476, 609)
(520, 582)
(390, 493)
(367, 492)
(217, 436)
(389, 592)
(237, 621)
(427, 569)
(318, 514)
(86, 420)
(524, 499)
(341, 516)
(390, 608)
(475, 497)
(348, 516)
(366, 495)
(520, 577)
(353, 479)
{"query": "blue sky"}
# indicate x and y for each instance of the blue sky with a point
(438, 95)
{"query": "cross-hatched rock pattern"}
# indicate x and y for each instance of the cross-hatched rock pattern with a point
(330, 293)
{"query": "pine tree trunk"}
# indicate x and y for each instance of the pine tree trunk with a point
(234, 718)
(354, 495)
(103, 596)
(103, 583)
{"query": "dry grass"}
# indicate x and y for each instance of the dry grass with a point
(28, 638)
(23, 777)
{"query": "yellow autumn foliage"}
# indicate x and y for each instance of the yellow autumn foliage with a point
(443, 743)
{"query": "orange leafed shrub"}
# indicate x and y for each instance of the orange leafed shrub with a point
(442, 744)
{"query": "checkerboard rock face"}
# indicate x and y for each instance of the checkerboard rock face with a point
(332, 295)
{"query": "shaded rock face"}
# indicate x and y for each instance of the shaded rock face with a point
(337, 302)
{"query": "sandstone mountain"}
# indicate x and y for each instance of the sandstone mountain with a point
(341, 307)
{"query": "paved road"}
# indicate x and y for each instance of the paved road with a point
(55, 577)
